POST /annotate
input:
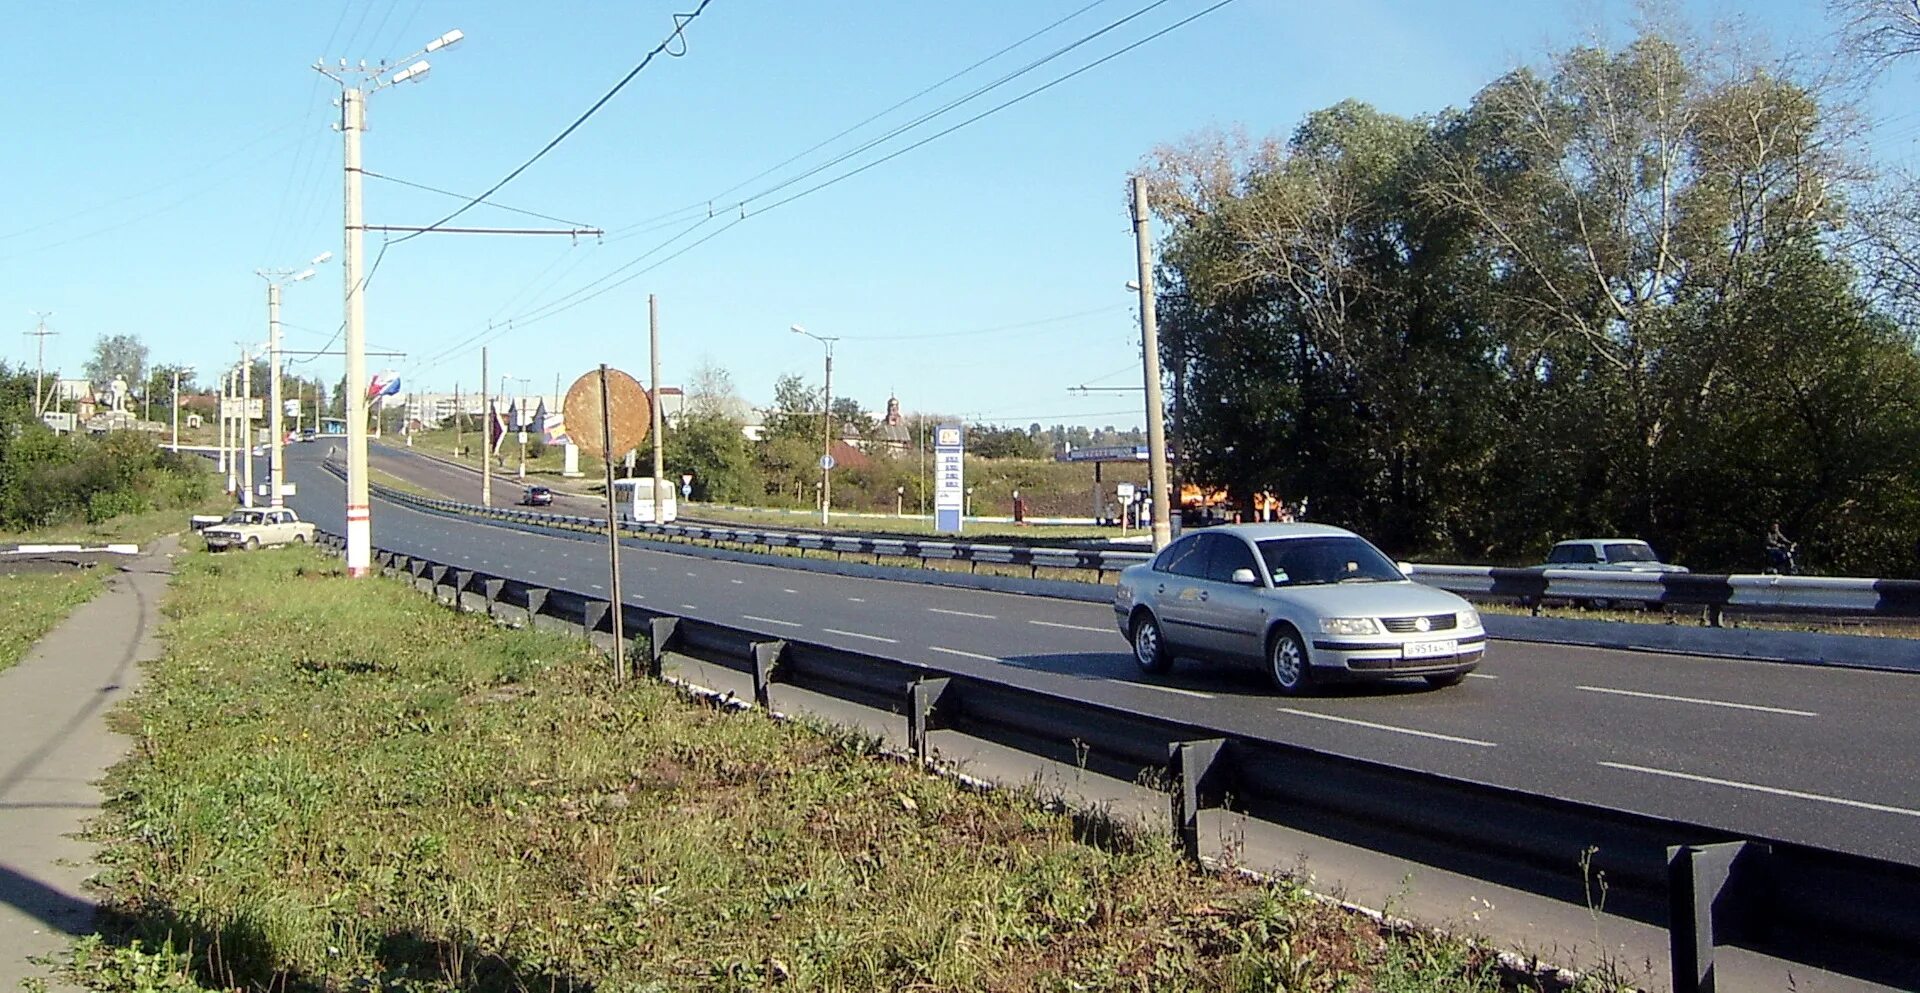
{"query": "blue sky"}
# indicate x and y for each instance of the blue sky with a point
(163, 152)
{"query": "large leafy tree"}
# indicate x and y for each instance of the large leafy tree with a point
(121, 355)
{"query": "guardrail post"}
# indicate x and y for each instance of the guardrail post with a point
(661, 631)
(766, 658)
(591, 614)
(1697, 878)
(1198, 770)
(536, 602)
(923, 699)
(490, 592)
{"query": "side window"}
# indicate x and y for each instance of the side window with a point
(1585, 554)
(1561, 554)
(1228, 554)
(1186, 557)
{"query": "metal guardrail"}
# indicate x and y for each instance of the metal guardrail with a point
(1716, 594)
(1705, 885)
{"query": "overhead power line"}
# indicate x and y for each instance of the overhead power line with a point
(680, 22)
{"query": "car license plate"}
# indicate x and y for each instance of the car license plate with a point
(1429, 649)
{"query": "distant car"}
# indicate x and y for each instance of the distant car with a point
(1307, 602)
(252, 528)
(537, 496)
(309, 435)
(1608, 555)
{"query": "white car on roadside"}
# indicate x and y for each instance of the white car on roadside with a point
(253, 528)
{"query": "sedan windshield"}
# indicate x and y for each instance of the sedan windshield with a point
(1323, 559)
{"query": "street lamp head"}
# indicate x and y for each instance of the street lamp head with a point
(299, 276)
(797, 329)
(1134, 285)
(413, 73)
(450, 38)
(322, 257)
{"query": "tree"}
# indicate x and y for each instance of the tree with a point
(721, 459)
(1879, 31)
(711, 391)
(117, 355)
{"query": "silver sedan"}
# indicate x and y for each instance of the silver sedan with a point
(1306, 602)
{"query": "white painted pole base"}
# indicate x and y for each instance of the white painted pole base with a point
(359, 542)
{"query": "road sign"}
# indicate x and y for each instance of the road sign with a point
(1125, 492)
(627, 407)
(949, 477)
(826, 462)
(686, 490)
(255, 408)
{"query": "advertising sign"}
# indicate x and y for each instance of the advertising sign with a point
(231, 408)
(949, 477)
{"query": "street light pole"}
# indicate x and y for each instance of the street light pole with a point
(246, 421)
(1164, 502)
(353, 120)
(277, 465)
(176, 405)
(826, 427)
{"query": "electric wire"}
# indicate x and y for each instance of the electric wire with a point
(370, 174)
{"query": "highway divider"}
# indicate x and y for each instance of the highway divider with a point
(1706, 885)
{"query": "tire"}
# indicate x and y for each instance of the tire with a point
(253, 544)
(1149, 648)
(1450, 679)
(299, 539)
(1287, 663)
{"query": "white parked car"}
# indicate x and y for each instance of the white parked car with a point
(251, 528)
(1306, 602)
(1608, 555)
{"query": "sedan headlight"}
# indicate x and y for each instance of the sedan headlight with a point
(1468, 618)
(1349, 625)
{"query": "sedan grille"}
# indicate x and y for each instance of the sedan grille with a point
(1411, 625)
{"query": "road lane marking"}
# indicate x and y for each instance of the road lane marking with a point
(692, 574)
(964, 655)
(1070, 627)
(596, 586)
(1773, 790)
(771, 620)
(783, 590)
(688, 606)
(1176, 689)
(963, 613)
(737, 582)
(856, 634)
(1698, 700)
(856, 599)
(1389, 727)
(1481, 675)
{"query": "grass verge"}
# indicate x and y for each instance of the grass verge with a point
(138, 528)
(34, 602)
(341, 785)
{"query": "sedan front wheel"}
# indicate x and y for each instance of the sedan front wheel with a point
(1287, 663)
(1149, 649)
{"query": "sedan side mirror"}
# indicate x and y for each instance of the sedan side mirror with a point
(1244, 577)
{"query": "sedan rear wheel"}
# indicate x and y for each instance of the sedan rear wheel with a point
(299, 539)
(1149, 650)
(253, 544)
(1287, 663)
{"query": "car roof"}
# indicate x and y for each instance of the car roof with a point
(1601, 541)
(1261, 532)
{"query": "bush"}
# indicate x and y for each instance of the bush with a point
(48, 479)
(105, 505)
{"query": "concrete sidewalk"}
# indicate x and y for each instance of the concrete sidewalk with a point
(55, 747)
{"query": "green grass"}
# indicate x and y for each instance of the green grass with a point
(342, 785)
(31, 603)
(133, 528)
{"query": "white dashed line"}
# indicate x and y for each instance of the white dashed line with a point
(1070, 627)
(856, 599)
(737, 582)
(1706, 703)
(770, 620)
(856, 634)
(1388, 727)
(1481, 675)
(964, 655)
(1176, 689)
(688, 606)
(963, 613)
(789, 591)
(596, 586)
(1772, 790)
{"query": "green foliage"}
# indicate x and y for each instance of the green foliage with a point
(710, 445)
(1604, 298)
(34, 602)
(47, 478)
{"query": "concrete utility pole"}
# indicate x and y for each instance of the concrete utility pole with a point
(176, 405)
(659, 460)
(277, 467)
(246, 421)
(1164, 502)
(486, 436)
(826, 426)
(40, 363)
(232, 425)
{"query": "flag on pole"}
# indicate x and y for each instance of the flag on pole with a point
(385, 383)
(496, 428)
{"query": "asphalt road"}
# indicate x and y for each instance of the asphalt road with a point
(1823, 756)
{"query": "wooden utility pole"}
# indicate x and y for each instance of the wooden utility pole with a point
(613, 532)
(40, 363)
